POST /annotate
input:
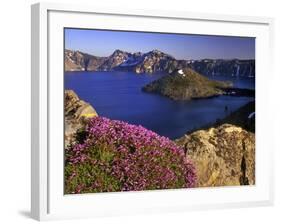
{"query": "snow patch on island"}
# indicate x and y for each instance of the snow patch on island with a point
(180, 71)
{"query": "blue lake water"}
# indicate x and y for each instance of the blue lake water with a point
(118, 95)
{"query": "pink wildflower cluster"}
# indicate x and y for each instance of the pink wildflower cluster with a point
(117, 156)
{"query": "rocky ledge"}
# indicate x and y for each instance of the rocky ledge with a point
(223, 156)
(186, 84)
(76, 111)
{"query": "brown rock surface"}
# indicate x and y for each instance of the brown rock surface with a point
(223, 156)
(79, 61)
(76, 111)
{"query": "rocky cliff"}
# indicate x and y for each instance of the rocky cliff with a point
(79, 61)
(76, 111)
(111, 62)
(155, 61)
(233, 67)
(186, 84)
(150, 62)
(223, 156)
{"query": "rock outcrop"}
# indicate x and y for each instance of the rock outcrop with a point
(79, 61)
(115, 59)
(223, 156)
(233, 67)
(155, 61)
(150, 62)
(76, 112)
(186, 84)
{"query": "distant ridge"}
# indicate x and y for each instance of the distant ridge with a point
(156, 61)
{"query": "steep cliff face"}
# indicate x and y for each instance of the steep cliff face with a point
(76, 112)
(117, 58)
(186, 84)
(79, 61)
(223, 156)
(151, 62)
(155, 61)
(234, 67)
(74, 61)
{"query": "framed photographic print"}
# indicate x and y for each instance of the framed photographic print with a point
(148, 111)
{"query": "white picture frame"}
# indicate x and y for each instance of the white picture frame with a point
(48, 201)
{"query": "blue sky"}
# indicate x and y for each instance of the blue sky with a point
(181, 46)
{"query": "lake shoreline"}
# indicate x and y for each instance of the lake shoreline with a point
(215, 152)
(118, 96)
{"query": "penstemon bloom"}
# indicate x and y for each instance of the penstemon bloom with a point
(117, 156)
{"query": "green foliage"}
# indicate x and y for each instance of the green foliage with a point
(93, 175)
